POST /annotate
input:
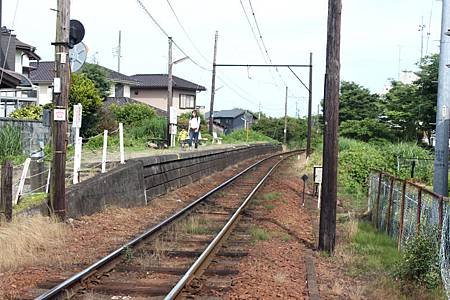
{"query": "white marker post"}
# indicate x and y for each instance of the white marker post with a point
(105, 148)
(77, 117)
(173, 120)
(26, 166)
(318, 180)
(121, 147)
(47, 187)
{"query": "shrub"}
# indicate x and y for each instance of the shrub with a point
(29, 112)
(240, 136)
(154, 127)
(10, 142)
(132, 113)
(83, 91)
(419, 263)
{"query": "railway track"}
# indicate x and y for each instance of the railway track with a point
(166, 261)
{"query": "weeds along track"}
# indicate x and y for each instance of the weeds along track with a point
(162, 262)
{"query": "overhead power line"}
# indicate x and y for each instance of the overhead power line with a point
(167, 35)
(164, 32)
(187, 34)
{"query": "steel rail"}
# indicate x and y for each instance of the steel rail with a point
(211, 247)
(102, 262)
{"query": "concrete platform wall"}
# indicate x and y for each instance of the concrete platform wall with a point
(140, 180)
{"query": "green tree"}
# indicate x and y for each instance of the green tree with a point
(99, 76)
(274, 128)
(366, 130)
(402, 110)
(427, 89)
(132, 113)
(357, 103)
(83, 90)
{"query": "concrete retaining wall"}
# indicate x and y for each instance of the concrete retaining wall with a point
(33, 132)
(168, 172)
(140, 180)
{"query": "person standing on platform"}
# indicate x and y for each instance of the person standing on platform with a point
(194, 129)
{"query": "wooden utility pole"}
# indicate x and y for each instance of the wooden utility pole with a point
(169, 92)
(60, 111)
(285, 117)
(6, 190)
(213, 86)
(327, 232)
(308, 139)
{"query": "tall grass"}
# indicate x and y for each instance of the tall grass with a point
(10, 142)
(26, 241)
(242, 136)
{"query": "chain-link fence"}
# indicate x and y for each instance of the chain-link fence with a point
(400, 208)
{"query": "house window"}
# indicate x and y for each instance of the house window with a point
(119, 90)
(187, 101)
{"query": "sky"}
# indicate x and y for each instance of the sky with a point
(379, 39)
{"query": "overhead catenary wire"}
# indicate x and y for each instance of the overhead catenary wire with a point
(164, 32)
(263, 43)
(256, 39)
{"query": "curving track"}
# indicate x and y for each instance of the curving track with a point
(162, 262)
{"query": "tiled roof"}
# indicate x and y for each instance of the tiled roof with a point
(119, 77)
(12, 79)
(159, 81)
(42, 71)
(230, 113)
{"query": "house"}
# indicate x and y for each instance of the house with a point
(233, 119)
(153, 91)
(16, 89)
(43, 72)
(150, 89)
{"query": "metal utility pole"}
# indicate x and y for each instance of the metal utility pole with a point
(308, 139)
(440, 182)
(421, 29)
(60, 112)
(169, 92)
(259, 110)
(119, 51)
(285, 117)
(327, 231)
(213, 86)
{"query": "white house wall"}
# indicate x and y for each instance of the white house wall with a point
(126, 91)
(112, 90)
(44, 94)
(18, 66)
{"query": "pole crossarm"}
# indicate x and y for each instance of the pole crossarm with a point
(262, 65)
(301, 81)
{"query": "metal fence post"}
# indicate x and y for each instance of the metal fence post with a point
(377, 204)
(419, 209)
(402, 216)
(389, 210)
(6, 193)
(441, 215)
